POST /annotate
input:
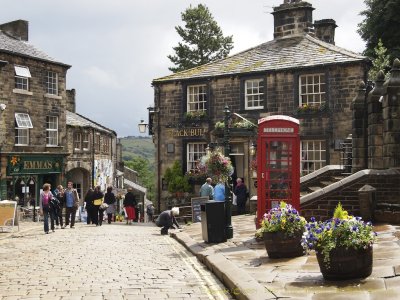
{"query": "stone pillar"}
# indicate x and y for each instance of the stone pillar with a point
(391, 119)
(375, 124)
(358, 108)
(367, 201)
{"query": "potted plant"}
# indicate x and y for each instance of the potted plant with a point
(177, 182)
(282, 229)
(343, 245)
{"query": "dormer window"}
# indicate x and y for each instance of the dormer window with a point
(196, 98)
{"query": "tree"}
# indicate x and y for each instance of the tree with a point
(142, 167)
(381, 62)
(382, 21)
(202, 40)
(177, 182)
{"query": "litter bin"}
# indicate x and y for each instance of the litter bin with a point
(213, 221)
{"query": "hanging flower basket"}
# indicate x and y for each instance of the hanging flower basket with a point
(216, 166)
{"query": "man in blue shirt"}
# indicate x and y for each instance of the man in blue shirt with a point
(207, 190)
(71, 203)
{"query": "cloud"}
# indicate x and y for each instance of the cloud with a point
(102, 78)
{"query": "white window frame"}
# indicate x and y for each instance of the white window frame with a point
(313, 155)
(312, 89)
(21, 136)
(77, 141)
(85, 141)
(51, 131)
(254, 94)
(196, 98)
(23, 120)
(22, 75)
(194, 152)
(52, 83)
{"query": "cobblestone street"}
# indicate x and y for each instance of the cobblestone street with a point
(109, 262)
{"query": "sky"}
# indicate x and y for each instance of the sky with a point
(117, 47)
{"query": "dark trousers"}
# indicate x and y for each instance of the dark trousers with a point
(46, 214)
(58, 217)
(95, 214)
(89, 212)
(241, 208)
(70, 212)
(101, 212)
(109, 218)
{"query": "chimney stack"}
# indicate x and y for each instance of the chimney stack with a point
(325, 30)
(17, 29)
(293, 17)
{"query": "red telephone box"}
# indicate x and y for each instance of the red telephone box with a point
(278, 160)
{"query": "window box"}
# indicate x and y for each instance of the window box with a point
(241, 128)
(195, 116)
(311, 110)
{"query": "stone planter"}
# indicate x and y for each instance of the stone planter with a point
(279, 245)
(346, 264)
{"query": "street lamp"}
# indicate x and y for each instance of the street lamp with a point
(228, 199)
(142, 126)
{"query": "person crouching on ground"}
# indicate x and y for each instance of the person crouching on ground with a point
(167, 220)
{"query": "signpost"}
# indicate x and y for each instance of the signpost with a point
(7, 214)
(196, 210)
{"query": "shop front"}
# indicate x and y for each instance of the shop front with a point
(26, 175)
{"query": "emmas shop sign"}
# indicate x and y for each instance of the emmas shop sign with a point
(20, 164)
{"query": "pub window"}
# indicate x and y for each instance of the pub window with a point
(254, 94)
(22, 75)
(194, 152)
(312, 90)
(77, 141)
(196, 98)
(51, 131)
(313, 155)
(22, 125)
(85, 141)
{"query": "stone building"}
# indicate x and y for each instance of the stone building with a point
(42, 138)
(300, 73)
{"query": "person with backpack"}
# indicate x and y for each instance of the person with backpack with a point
(44, 203)
(130, 206)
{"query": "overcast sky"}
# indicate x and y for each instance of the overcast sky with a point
(117, 47)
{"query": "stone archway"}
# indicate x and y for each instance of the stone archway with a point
(81, 180)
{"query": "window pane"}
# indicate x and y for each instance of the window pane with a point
(23, 120)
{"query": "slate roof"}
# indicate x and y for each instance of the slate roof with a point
(74, 119)
(19, 47)
(292, 52)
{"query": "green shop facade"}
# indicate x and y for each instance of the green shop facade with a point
(26, 174)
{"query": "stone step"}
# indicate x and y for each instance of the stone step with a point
(326, 183)
(314, 188)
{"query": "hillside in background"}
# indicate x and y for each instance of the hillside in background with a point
(133, 146)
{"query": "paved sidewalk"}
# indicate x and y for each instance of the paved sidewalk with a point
(242, 264)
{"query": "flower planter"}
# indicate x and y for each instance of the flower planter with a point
(346, 264)
(280, 245)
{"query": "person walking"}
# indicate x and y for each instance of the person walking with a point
(71, 204)
(59, 194)
(44, 204)
(97, 200)
(89, 207)
(241, 194)
(219, 191)
(207, 190)
(109, 198)
(150, 212)
(130, 206)
(167, 220)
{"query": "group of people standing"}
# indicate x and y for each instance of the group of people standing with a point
(217, 193)
(96, 203)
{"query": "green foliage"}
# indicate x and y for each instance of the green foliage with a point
(176, 181)
(381, 62)
(202, 40)
(138, 154)
(382, 21)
